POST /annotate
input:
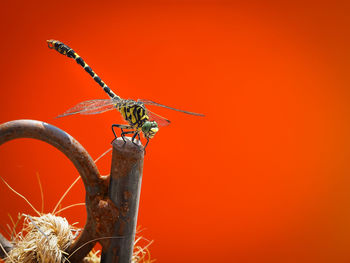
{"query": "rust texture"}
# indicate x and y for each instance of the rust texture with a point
(111, 201)
(124, 191)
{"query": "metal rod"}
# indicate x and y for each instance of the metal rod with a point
(124, 191)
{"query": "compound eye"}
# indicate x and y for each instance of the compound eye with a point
(146, 126)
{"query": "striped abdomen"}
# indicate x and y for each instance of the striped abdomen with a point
(67, 51)
(133, 113)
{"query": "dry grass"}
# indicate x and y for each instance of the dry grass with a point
(42, 239)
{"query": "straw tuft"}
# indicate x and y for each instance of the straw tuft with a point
(45, 240)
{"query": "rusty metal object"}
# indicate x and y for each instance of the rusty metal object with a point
(111, 209)
(124, 191)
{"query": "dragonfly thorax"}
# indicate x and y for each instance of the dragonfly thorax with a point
(136, 115)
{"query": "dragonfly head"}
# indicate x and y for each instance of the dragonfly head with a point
(149, 129)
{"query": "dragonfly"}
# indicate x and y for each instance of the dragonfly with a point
(139, 119)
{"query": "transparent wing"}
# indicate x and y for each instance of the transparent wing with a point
(161, 121)
(90, 107)
(149, 102)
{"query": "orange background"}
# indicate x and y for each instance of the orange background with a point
(264, 177)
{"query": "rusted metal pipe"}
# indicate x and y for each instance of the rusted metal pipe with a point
(124, 192)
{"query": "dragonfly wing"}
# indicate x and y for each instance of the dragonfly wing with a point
(99, 109)
(161, 121)
(90, 107)
(149, 102)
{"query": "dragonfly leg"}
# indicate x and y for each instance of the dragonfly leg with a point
(133, 137)
(144, 148)
(122, 134)
(115, 135)
(121, 126)
(146, 144)
(126, 132)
